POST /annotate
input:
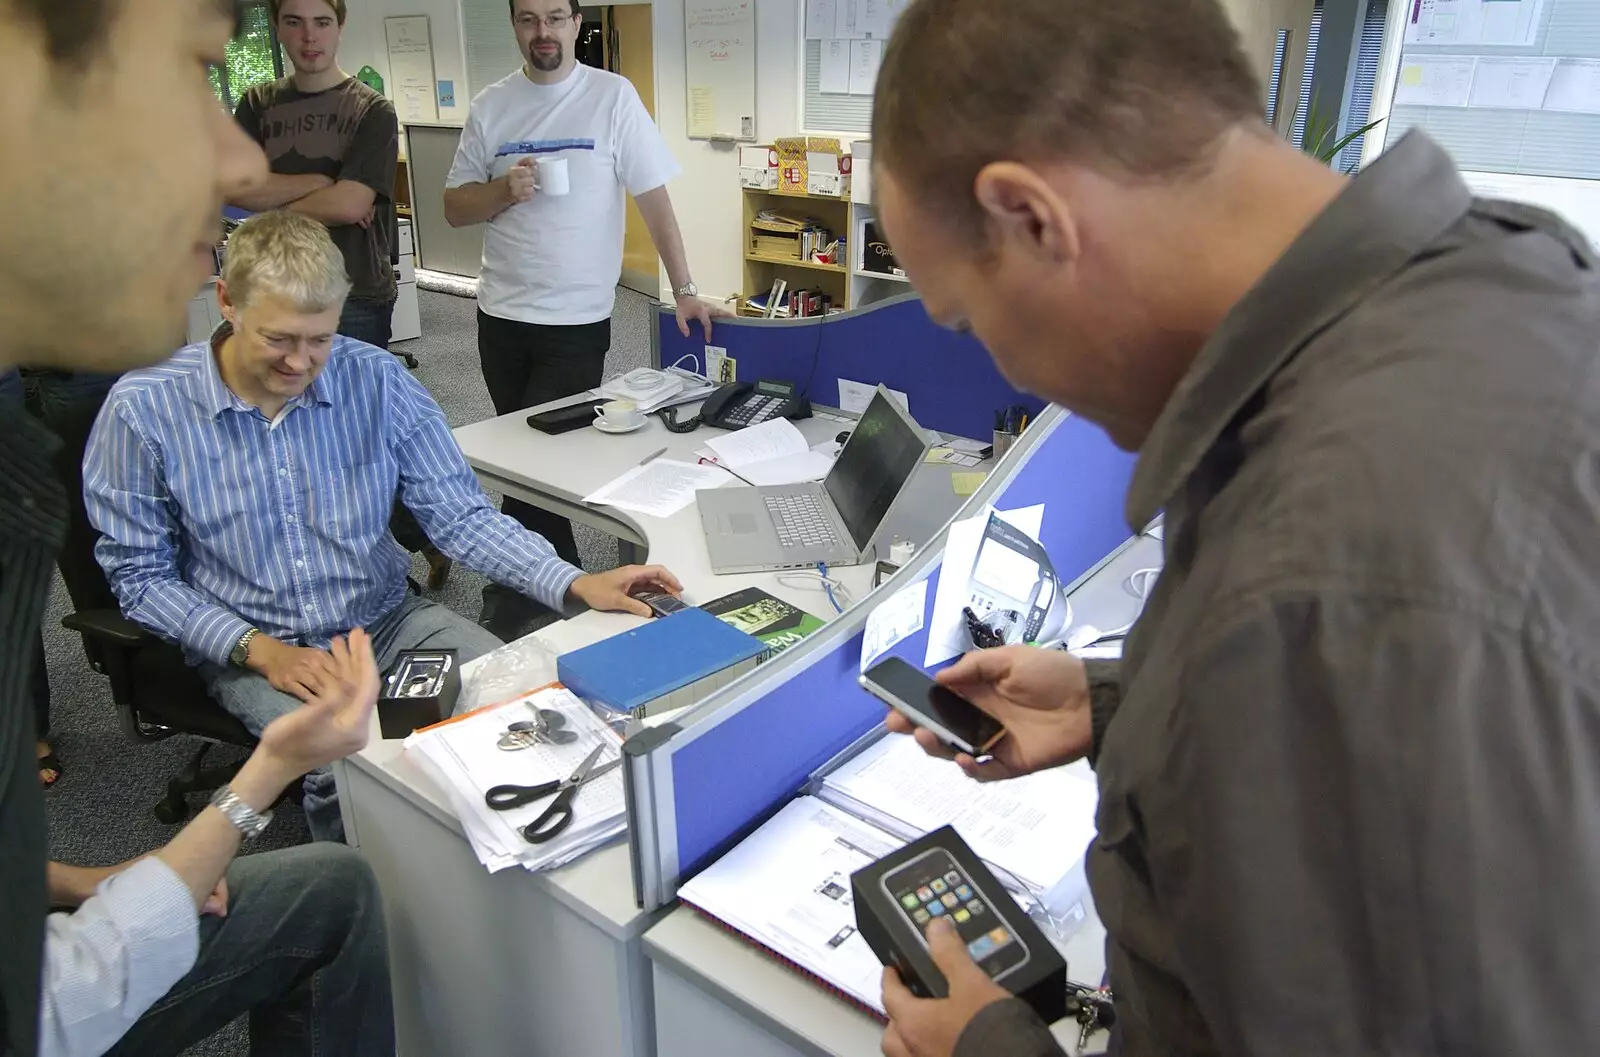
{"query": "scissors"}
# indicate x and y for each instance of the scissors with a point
(506, 797)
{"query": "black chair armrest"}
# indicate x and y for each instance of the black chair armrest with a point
(108, 626)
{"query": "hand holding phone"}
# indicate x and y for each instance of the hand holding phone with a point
(1040, 697)
(954, 720)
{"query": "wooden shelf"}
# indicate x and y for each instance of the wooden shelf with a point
(845, 199)
(795, 262)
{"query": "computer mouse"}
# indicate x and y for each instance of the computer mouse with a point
(841, 438)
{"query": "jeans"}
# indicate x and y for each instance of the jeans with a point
(526, 364)
(415, 624)
(368, 321)
(303, 951)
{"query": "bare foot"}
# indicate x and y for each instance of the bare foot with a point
(49, 766)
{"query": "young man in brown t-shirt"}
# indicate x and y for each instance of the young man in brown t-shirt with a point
(333, 144)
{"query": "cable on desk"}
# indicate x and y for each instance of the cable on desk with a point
(1141, 583)
(838, 595)
(689, 356)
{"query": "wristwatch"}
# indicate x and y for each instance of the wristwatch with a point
(241, 649)
(246, 819)
(688, 289)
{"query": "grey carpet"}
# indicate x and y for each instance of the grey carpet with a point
(100, 810)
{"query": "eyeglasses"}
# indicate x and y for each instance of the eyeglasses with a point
(528, 21)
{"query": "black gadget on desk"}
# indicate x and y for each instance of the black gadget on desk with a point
(744, 404)
(419, 690)
(565, 419)
(955, 720)
(661, 604)
(897, 897)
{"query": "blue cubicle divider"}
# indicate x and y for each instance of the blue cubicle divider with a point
(951, 381)
(730, 774)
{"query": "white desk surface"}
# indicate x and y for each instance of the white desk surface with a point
(538, 468)
(800, 1012)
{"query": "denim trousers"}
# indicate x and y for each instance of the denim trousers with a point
(415, 623)
(303, 951)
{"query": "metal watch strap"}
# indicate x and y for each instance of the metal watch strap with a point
(246, 819)
(241, 649)
(688, 289)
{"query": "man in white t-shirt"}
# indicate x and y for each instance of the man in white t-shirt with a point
(551, 262)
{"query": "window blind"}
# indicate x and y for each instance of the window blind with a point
(1298, 133)
(1364, 79)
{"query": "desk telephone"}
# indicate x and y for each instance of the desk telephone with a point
(744, 404)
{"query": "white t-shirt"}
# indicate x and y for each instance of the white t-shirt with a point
(557, 260)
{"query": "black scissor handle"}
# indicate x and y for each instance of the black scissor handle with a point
(507, 797)
(556, 818)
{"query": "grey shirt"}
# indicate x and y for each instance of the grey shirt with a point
(1350, 798)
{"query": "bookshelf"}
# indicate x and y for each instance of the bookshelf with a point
(764, 256)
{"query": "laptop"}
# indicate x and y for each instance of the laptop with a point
(798, 525)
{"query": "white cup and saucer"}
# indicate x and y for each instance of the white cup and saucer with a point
(618, 416)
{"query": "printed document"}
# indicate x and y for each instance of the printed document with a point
(947, 629)
(772, 453)
(660, 488)
(1036, 828)
(898, 617)
(787, 886)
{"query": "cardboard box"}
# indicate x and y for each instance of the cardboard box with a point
(792, 169)
(758, 168)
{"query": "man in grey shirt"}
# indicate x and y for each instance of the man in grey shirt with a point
(1350, 766)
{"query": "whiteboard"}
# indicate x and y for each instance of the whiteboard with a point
(411, 68)
(719, 38)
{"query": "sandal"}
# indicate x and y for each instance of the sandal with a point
(50, 762)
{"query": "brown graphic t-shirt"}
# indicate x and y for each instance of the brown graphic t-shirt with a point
(347, 132)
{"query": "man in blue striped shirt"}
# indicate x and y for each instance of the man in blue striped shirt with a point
(244, 488)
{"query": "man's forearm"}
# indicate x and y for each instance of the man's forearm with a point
(200, 854)
(476, 203)
(279, 190)
(346, 202)
(656, 209)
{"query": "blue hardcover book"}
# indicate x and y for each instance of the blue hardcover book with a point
(668, 663)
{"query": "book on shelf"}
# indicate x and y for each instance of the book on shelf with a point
(786, 888)
(775, 622)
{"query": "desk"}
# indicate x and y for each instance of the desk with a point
(715, 994)
(552, 963)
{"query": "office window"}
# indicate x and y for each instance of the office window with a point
(1363, 79)
(1280, 55)
(1303, 111)
(253, 56)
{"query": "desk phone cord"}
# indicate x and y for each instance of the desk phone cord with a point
(669, 418)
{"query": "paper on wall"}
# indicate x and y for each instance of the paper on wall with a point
(819, 19)
(702, 110)
(865, 58)
(844, 20)
(875, 18)
(855, 396)
(1575, 86)
(1496, 23)
(947, 631)
(835, 67)
(897, 618)
(1434, 80)
(1511, 84)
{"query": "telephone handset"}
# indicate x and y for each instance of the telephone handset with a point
(745, 404)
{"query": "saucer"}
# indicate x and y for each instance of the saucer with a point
(600, 425)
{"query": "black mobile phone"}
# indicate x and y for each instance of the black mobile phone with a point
(955, 720)
(934, 885)
(660, 603)
(565, 419)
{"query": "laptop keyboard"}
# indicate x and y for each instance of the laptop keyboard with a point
(801, 520)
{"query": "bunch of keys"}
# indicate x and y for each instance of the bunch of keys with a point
(1092, 1008)
(548, 728)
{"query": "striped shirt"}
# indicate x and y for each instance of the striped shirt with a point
(217, 519)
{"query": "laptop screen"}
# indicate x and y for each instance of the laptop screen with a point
(879, 458)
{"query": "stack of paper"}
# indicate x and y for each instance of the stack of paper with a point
(463, 757)
(774, 452)
(653, 390)
(787, 886)
(1033, 830)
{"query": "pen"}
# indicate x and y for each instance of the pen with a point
(652, 458)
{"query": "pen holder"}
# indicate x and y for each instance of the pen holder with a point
(1003, 442)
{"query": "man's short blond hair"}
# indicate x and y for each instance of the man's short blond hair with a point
(285, 255)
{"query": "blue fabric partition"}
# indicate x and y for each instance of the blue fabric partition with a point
(732, 778)
(952, 383)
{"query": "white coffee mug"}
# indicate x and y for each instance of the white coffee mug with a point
(618, 414)
(554, 180)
